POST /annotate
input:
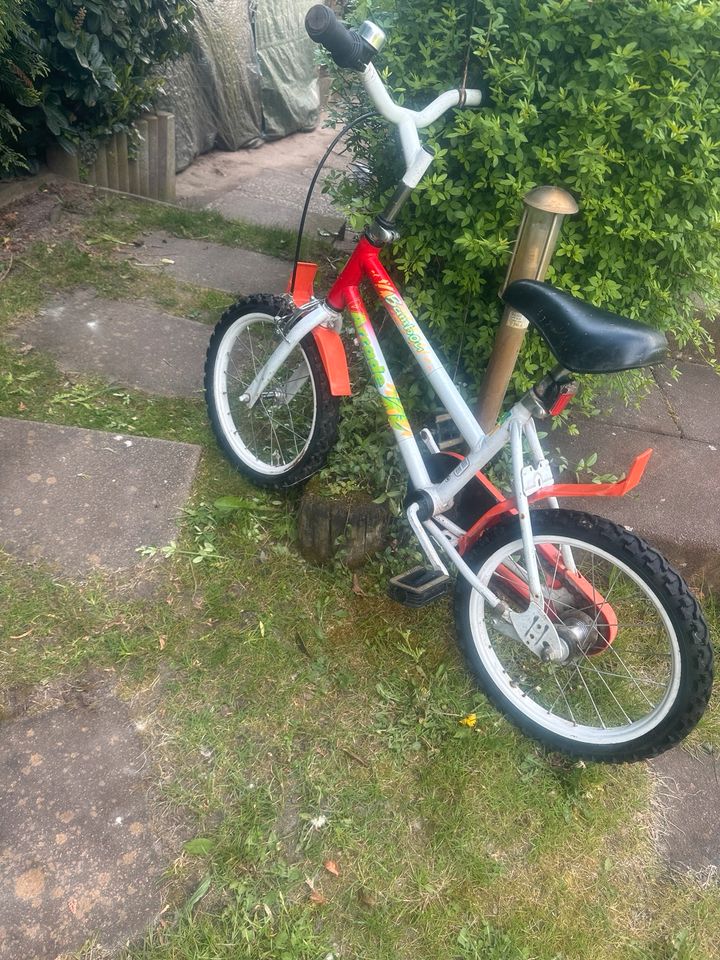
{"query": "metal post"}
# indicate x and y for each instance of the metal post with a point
(545, 208)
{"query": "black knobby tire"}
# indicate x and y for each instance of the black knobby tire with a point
(686, 696)
(322, 433)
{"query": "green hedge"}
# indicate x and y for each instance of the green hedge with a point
(618, 101)
(93, 68)
(20, 66)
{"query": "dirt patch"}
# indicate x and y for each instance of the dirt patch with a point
(56, 212)
(84, 691)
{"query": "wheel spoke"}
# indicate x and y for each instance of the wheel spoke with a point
(564, 696)
(592, 700)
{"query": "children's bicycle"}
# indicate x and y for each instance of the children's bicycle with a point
(575, 628)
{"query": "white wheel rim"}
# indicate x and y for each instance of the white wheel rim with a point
(538, 713)
(221, 393)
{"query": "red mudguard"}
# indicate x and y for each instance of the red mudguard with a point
(329, 344)
(606, 618)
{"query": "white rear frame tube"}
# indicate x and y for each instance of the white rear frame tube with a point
(537, 453)
(478, 457)
(462, 567)
(523, 508)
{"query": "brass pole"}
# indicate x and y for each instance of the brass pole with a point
(545, 208)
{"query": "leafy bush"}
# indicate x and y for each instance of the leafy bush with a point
(101, 58)
(20, 65)
(617, 101)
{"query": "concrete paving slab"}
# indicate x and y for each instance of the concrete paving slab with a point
(652, 414)
(214, 265)
(84, 499)
(127, 342)
(79, 853)
(675, 507)
(695, 400)
(687, 807)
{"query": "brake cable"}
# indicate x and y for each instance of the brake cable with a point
(336, 140)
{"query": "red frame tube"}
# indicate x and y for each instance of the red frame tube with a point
(364, 262)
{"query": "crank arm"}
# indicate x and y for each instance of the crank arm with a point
(424, 540)
(463, 569)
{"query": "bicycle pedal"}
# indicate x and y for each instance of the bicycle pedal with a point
(418, 586)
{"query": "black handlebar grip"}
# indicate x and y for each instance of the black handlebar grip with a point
(345, 46)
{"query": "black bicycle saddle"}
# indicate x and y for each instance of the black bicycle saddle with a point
(584, 338)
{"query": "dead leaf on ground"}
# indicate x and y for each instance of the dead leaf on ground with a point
(315, 895)
(331, 867)
(161, 641)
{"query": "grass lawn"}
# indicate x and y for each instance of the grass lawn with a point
(308, 734)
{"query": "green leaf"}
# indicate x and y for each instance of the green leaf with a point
(67, 40)
(199, 846)
(199, 893)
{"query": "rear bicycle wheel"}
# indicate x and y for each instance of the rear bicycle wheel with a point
(286, 436)
(623, 700)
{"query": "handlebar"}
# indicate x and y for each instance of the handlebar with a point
(345, 46)
(354, 50)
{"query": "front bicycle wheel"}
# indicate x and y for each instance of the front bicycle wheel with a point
(286, 436)
(627, 699)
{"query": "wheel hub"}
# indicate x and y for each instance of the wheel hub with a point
(580, 633)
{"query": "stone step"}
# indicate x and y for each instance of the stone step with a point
(686, 807)
(267, 186)
(84, 499)
(131, 343)
(675, 507)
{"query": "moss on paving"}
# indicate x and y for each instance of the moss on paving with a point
(296, 723)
